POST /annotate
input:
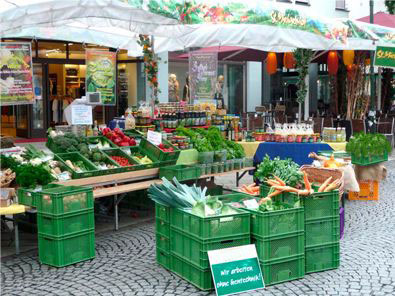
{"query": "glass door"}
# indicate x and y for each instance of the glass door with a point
(235, 83)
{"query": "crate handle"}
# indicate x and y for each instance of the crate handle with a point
(229, 241)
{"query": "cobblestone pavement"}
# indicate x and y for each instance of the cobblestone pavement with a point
(125, 262)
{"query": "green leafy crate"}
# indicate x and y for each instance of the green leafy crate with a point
(220, 155)
(274, 223)
(138, 150)
(70, 249)
(324, 257)
(368, 160)
(157, 153)
(279, 247)
(65, 199)
(201, 278)
(285, 197)
(108, 160)
(30, 197)
(162, 212)
(320, 205)
(217, 190)
(66, 224)
(206, 157)
(322, 231)
(118, 152)
(133, 133)
(163, 242)
(336, 154)
(92, 170)
(181, 172)
(235, 197)
(214, 227)
(163, 258)
(162, 227)
(283, 270)
(102, 139)
(194, 251)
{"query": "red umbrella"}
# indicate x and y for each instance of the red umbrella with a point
(380, 18)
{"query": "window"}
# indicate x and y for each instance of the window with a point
(341, 4)
(287, 1)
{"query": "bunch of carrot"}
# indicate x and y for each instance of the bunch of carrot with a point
(251, 189)
(279, 187)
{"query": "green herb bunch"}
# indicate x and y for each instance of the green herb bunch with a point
(286, 169)
(365, 145)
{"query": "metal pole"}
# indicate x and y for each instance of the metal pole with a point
(372, 78)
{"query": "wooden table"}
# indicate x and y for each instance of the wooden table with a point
(132, 181)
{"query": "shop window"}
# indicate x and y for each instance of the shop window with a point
(51, 50)
(127, 86)
(123, 56)
(76, 51)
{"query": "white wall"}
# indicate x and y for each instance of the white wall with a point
(254, 85)
(361, 8)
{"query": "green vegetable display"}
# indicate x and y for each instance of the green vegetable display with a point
(366, 145)
(69, 142)
(30, 176)
(287, 170)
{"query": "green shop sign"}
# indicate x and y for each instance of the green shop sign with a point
(384, 56)
(236, 270)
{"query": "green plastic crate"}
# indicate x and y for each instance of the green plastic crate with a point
(163, 258)
(181, 172)
(217, 190)
(201, 278)
(162, 227)
(138, 150)
(279, 271)
(108, 160)
(236, 197)
(163, 242)
(324, 257)
(282, 222)
(336, 154)
(30, 197)
(73, 157)
(322, 231)
(60, 252)
(279, 247)
(119, 152)
(154, 151)
(206, 157)
(162, 212)
(368, 160)
(65, 199)
(321, 205)
(215, 227)
(285, 197)
(194, 251)
(66, 224)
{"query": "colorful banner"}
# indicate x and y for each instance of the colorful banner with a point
(203, 74)
(384, 57)
(101, 74)
(16, 72)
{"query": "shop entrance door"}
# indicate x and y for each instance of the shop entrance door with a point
(31, 120)
(235, 81)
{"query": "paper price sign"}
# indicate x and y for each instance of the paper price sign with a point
(235, 270)
(154, 137)
(81, 115)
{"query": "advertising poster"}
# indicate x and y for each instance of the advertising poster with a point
(101, 74)
(16, 82)
(203, 73)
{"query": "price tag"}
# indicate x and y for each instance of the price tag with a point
(236, 270)
(81, 115)
(154, 137)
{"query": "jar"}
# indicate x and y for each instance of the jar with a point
(220, 167)
(231, 164)
(214, 168)
(299, 138)
(291, 139)
(208, 168)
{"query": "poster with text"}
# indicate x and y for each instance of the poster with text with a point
(101, 74)
(16, 82)
(203, 74)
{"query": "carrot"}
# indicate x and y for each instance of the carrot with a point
(263, 200)
(332, 186)
(272, 182)
(324, 185)
(285, 188)
(306, 182)
(304, 192)
(282, 183)
(251, 185)
(274, 193)
(255, 188)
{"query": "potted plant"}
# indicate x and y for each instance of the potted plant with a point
(368, 149)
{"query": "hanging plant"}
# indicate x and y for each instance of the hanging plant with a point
(302, 60)
(150, 65)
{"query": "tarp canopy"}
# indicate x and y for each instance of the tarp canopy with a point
(380, 18)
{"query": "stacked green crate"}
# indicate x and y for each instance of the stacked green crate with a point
(66, 226)
(279, 239)
(191, 236)
(162, 229)
(322, 228)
